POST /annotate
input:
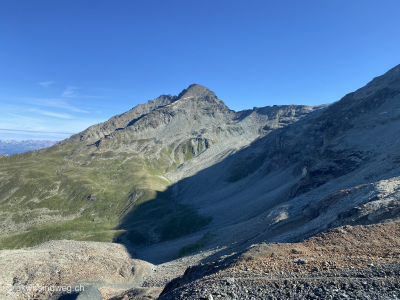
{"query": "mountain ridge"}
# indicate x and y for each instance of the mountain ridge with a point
(195, 92)
(148, 142)
(177, 138)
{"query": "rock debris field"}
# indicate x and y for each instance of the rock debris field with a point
(360, 262)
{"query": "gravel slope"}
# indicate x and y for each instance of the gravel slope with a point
(360, 262)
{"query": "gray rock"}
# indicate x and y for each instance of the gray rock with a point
(301, 261)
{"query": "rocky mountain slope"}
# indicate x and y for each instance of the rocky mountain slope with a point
(10, 146)
(184, 174)
(99, 183)
(360, 262)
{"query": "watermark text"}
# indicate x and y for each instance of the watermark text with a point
(47, 288)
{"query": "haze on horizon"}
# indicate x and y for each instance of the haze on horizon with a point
(67, 65)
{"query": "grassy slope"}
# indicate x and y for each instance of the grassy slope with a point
(57, 193)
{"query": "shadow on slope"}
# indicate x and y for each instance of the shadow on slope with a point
(309, 149)
(165, 218)
(161, 219)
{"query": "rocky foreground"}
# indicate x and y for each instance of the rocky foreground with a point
(350, 262)
(100, 270)
(361, 262)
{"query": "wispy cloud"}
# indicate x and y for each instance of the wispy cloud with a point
(22, 116)
(71, 92)
(54, 102)
(46, 83)
(51, 114)
(60, 104)
(74, 92)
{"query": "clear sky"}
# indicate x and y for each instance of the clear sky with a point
(68, 64)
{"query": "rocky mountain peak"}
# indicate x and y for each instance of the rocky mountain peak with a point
(201, 97)
(196, 91)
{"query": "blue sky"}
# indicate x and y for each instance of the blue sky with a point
(68, 64)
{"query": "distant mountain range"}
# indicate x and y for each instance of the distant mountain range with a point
(10, 146)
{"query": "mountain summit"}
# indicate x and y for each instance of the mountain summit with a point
(196, 91)
(195, 97)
